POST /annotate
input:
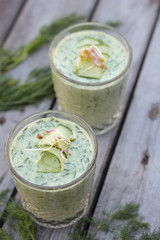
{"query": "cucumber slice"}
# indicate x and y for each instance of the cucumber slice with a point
(103, 48)
(65, 131)
(86, 67)
(48, 163)
(86, 70)
(48, 140)
(90, 41)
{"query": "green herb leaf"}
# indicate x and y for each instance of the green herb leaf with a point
(124, 223)
(113, 23)
(3, 194)
(9, 60)
(37, 86)
(23, 224)
(4, 235)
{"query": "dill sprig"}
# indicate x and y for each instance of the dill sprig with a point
(37, 86)
(2, 177)
(20, 221)
(113, 23)
(124, 223)
(3, 194)
(9, 60)
(3, 235)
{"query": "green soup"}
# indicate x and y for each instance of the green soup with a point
(25, 154)
(51, 156)
(68, 49)
(96, 98)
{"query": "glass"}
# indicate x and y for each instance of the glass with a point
(57, 206)
(99, 104)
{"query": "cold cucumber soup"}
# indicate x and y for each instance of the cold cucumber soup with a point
(51, 152)
(67, 51)
(52, 157)
(89, 70)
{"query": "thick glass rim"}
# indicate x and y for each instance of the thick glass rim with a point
(91, 24)
(40, 187)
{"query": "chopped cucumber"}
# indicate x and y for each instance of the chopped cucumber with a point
(48, 163)
(86, 67)
(95, 72)
(49, 139)
(90, 41)
(65, 131)
(88, 70)
(51, 161)
(103, 48)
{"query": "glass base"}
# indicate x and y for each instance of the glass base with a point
(55, 224)
(101, 129)
(104, 128)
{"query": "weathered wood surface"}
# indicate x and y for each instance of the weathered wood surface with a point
(138, 39)
(135, 167)
(9, 10)
(31, 18)
(135, 16)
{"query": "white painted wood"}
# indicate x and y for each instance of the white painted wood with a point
(35, 14)
(8, 12)
(134, 171)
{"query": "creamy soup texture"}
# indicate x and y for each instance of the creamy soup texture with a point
(24, 157)
(68, 49)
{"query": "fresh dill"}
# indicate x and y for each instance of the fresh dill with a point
(37, 86)
(3, 235)
(3, 194)
(2, 177)
(9, 60)
(19, 220)
(113, 23)
(123, 224)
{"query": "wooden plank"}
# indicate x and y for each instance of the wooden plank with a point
(134, 171)
(31, 19)
(8, 12)
(106, 141)
(132, 32)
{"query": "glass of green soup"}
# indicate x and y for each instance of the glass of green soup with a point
(90, 64)
(52, 156)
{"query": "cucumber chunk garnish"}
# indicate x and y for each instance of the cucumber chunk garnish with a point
(89, 70)
(91, 62)
(65, 131)
(90, 41)
(103, 48)
(51, 161)
(48, 163)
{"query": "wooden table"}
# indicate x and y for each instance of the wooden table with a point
(128, 163)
